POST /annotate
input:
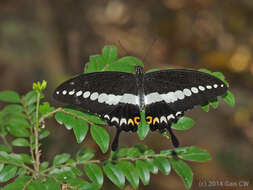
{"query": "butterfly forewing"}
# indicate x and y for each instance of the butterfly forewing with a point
(111, 95)
(181, 89)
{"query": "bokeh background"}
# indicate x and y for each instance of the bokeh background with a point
(52, 40)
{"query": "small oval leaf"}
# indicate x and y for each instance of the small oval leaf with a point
(115, 174)
(100, 136)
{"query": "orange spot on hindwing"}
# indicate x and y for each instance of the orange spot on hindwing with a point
(149, 119)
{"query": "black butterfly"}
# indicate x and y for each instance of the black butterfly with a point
(119, 97)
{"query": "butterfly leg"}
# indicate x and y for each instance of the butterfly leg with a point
(115, 142)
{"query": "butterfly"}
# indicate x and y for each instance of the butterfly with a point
(119, 97)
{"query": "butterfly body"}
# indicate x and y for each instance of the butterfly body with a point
(119, 97)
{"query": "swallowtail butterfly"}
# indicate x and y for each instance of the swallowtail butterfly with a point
(119, 97)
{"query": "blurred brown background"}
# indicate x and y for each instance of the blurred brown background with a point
(52, 40)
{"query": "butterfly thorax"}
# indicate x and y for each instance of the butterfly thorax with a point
(140, 86)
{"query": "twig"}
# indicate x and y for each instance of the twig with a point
(37, 153)
(31, 132)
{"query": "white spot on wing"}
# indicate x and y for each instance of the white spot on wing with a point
(163, 119)
(94, 96)
(194, 90)
(178, 113)
(123, 120)
(102, 98)
(153, 98)
(179, 94)
(115, 119)
(169, 97)
(64, 92)
(79, 93)
(215, 85)
(202, 88)
(86, 94)
(107, 117)
(209, 87)
(187, 92)
(71, 92)
(57, 92)
(129, 99)
(171, 116)
(222, 85)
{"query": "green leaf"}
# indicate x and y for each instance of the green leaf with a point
(44, 166)
(80, 130)
(89, 117)
(7, 173)
(94, 173)
(36, 185)
(13, 108)
(143, 127)
(9, 96)
(18, 184)
(95, 64)
(125, 64)
(220, 76)
(76, 171)
(18, 131)
(30, 98)
(21, 171)
(133, 152)
(20, 142)
(195, 154)
(5, 148)
(183, 170)
(109, 53)
(60, 159)
(26, 158)
(143, 171)
(84, 155)
(1, 166)
(45, 108)
(205, 107)
(82, 185)
(191, 153)
(151, 166)
(163, 164)
(152, 70)
(229, 98)
(63, 174)
(51, 184)
(206, 71)
(67, 120)
(17, 120)
(130, 172)
(114, 173)
(214, 103)
(43, 133)
(100, 136)
(183, 123)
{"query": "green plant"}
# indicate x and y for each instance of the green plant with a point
(24, 119)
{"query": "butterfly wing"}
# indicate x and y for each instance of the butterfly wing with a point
(110, 95)
(168, 93)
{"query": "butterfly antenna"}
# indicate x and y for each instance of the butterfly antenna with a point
(115, 142)
(174, 139)
(149, 49)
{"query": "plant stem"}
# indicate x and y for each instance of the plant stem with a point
(31, 132)
(6, 142)
(37, 153)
